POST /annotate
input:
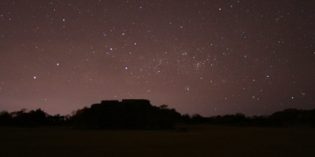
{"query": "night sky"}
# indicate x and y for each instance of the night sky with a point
(197, 56)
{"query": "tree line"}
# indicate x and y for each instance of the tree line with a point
(286, 118)
(141, 114)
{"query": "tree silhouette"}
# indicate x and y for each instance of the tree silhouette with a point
(127, 114)
(5, 118)
(141, 114)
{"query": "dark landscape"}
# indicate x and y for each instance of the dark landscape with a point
(200, 140)
(136, 128)
(157, 78)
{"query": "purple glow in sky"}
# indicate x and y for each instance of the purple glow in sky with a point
(197, 56)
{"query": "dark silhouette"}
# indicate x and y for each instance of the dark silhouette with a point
(32, 118)
(5, 118)
(140, 114)
(285, 118)
(127, 114)
(293, 117)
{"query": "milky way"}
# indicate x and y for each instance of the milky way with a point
(197, 56)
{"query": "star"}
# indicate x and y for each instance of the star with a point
(187, 89)
(191, 54)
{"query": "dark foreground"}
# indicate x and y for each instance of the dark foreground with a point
(195, 142)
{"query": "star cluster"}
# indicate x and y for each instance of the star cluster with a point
(203, 56)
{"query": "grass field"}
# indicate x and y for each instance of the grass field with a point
(196, 141)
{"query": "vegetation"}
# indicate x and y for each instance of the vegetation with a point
(285, 118)
(192, 136)
(140, 114)
(128, 114)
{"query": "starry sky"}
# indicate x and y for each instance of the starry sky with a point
(198, 56)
